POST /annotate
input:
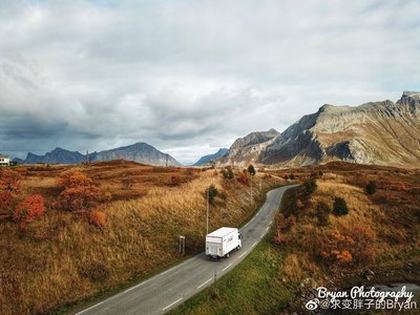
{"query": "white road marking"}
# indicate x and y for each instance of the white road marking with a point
(204, 283)
(266, 229)
(253, 245)
(136, 286)
(172, 304)
(241, 255)
(86, 309)
(227, 267)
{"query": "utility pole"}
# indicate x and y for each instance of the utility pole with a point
(252, 200)
(207, 216)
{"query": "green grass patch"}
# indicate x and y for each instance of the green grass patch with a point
(251, 288)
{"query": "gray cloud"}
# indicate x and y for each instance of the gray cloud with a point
(191, 76)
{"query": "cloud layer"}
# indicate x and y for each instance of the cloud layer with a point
(190, 76)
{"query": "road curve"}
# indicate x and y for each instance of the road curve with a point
(170, 288)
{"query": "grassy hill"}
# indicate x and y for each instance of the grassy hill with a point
(314, 244)
(63, 256)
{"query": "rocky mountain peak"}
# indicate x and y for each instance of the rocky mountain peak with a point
(381, 132)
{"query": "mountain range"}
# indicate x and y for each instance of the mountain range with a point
(139, 152)
(383, 133)
(207, 159)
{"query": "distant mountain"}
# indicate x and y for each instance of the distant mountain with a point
(383, 133)
(139, 152)
(17, 160)
(58, 155)
(211, 157)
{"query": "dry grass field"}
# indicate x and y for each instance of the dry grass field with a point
(61, 257)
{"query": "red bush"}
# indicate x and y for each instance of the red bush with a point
(73, 179)
(79, 194)
(10, 180)
(29, 209)
(351, 244)
(6, 201)
(243, 178)
(98, 218)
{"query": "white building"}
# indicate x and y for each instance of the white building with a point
(4, 160)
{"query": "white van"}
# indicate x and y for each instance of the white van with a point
(222, 241)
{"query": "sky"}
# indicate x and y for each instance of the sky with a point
(189, 77)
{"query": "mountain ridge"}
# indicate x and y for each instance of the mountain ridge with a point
(139, 152)
(211, 157)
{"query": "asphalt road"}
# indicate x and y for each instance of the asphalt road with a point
(170, 288)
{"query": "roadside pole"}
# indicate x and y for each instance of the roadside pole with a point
(207, 216)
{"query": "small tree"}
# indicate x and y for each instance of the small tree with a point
(310, 186)
(370, 188)
(340, 207)
(322, 213)
(212, 193)
(251, 170)
(29, 209)
(227, 173)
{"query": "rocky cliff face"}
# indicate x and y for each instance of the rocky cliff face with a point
(383, 133)
(249, 148)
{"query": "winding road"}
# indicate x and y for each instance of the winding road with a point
(170, 288)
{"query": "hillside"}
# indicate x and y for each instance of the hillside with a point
(139, 152)
(381, 133)
(310, 245)
(105, 225)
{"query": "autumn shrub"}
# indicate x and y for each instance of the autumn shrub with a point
(283, 226)
(227, 173)
(370, 188)
(29, 209)
(243, 178)
(73, 179)
(340, 207)
(98, 218)
(322, 213)
(79, 194)
(10, 180)
(353, 244)
(6, 201)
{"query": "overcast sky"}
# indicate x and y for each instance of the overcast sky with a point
(189, 77)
